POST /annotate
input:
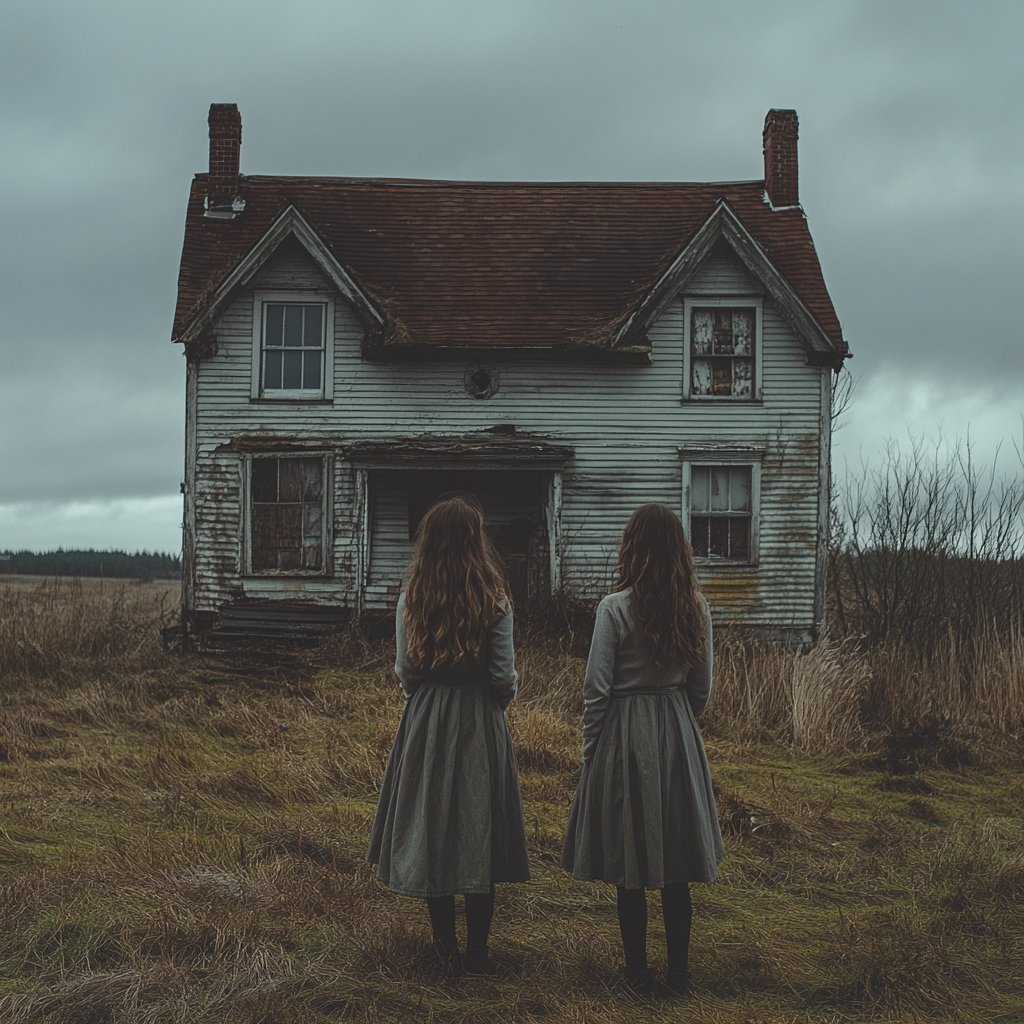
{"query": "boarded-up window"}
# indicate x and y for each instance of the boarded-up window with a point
(721, 512)
(287, 514)
(293, 346)
(722, 351)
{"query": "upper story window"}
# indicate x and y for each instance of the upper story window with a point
(722, 349)
(287, 516)
(292, 348)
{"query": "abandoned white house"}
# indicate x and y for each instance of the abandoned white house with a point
(566, 351)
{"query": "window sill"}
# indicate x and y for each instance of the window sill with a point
(723, 563)
(286, 574)
(724, 399)
(302, 399)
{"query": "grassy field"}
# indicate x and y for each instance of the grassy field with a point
(182, 840)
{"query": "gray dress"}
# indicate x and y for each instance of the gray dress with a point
(450, 814)
(644, 812)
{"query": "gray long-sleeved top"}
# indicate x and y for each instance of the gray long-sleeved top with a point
(618, 666)
(498, 662)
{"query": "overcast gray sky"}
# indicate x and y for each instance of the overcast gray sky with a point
(911, 164)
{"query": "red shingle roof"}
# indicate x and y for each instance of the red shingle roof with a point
(497, 265)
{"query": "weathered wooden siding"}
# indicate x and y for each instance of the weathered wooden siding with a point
(626, 423)
(390, 547)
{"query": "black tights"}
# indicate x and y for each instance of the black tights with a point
(678, 913)
(479, 911)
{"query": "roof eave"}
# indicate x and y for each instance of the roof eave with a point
(638, 354)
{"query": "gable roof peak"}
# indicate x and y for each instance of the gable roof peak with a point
(724, 226)
(289, 224)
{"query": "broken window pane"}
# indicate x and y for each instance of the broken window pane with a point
(311, 472)
(264, 480)
(703, 328)
(276, 536)
(718, 545)
(739, 538)
(312, 555)
(743, 332)
(722, 339)
(287, 514)
(728, 335)
(721, 376)
(725, 492)
(742, 373)
(701, 377)
(699, 527)
(300, 479)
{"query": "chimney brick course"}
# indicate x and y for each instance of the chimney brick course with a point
(225, 143)
(781, 178)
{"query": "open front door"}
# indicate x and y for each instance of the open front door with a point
(514, 516)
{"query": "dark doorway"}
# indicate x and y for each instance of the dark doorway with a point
(513, 504)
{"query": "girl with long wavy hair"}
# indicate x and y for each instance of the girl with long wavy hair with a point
(450, 815)
(644, 814)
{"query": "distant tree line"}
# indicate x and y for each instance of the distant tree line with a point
(119, 564)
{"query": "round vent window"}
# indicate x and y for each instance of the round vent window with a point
(481, 381)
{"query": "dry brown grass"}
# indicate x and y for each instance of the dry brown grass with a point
(50, 624)
(182, 840)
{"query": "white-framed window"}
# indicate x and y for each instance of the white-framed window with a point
(293, 344)
(287, 515)
(722, 349)
(721, 506)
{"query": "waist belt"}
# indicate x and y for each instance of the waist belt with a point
(665, 691)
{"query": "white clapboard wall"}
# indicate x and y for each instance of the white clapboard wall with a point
(627, 424)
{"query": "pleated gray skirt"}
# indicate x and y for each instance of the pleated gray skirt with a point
(644, 813)
(450, 814)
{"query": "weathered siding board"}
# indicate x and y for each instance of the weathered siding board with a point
(626, 423)
(390, 547)
(291, 269)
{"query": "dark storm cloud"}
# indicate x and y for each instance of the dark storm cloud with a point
(911, 168)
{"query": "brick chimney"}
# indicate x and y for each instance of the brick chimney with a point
(780, 164)
(222, 201)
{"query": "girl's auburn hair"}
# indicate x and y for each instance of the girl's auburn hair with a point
(455, 589)
(655, 559)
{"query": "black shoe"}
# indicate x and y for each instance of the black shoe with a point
(639, 980)
(681, 982)
(476, 961)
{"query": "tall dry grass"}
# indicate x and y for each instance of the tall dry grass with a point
(182, 839)
(826, 699)
(51, 625)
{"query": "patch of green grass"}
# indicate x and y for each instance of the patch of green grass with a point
(185, 843)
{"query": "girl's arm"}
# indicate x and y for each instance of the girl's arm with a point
(408, 674)
(597, 684)
(501, 659)
(698, 679)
